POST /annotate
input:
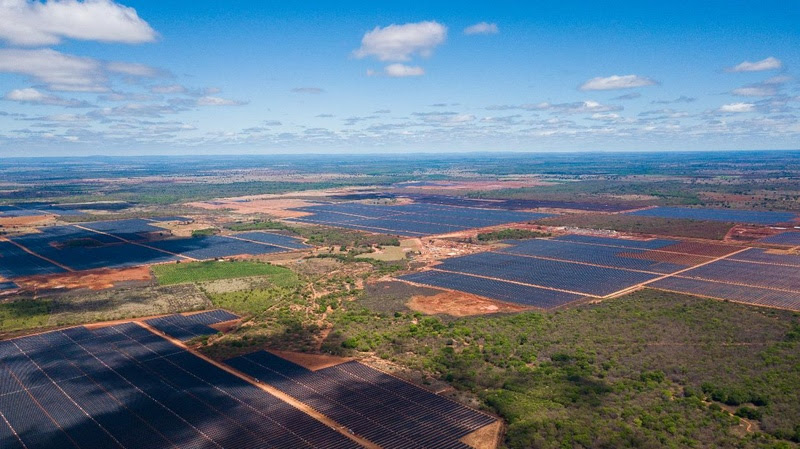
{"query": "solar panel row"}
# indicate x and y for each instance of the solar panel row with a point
(569, 276)
(784, 238)
(729, 215)
(124, 387)
(273, 239)
(382, 409)
(186, 327)
(410, 219)
(738, 293)
(494, 289)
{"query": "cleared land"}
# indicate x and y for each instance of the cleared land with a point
(215, 270)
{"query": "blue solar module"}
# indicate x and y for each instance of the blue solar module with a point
(728, 215)
(490, 288)
(186, 327)
(15, 262)
(624, 243)
(118, 255)
(8, 285)
(211, 247)
(760, 255)
(273, 238)
(732, 292)
(578, 278)
(21, 213)
(410, 219)
(748, 273)
(784, 238)
(132, 229)
(376, 406)
(124, 387)
(609, 256)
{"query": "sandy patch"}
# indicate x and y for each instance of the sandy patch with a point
(312, 362)
(459, 304)
(26, 221)
(278, 207)
(487, 437)
(93, 280)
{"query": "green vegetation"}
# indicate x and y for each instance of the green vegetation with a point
(24, 314)
(257, 225)
(204, 232)
(179, 273)
(511, 234)
(713, 230)
(633, 372)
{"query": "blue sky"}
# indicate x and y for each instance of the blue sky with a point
(210, 77)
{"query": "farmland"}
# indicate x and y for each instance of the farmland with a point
(212, 270)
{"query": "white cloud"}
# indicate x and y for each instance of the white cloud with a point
(482, 28)
(133, 69)
(33, 23)
(34, 96)
(57, 70)
(617, 82)
(737, 107)
(400, 42)
(217, 101)
(579, 107)
(755, 91)
(402, 70)
(770, 63)
(169, 89)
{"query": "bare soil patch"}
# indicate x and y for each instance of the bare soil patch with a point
(487, 437)
(460, 304)
(8, 222)
(278, 207)
(312, 362)
(100, 279)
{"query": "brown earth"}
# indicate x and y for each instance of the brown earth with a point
(312, 362)
(487, 437)
(278, 207)
(93, 279)
(6, 222)
(746, 233)
(459, 304)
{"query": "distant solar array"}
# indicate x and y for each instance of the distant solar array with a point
(729, 215)
(187, 327)
(784, 238)
(411, 220)
(122, 243)
(378, 407)
(553, 272)
(125, 387)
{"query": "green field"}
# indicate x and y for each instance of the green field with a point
(180, 273)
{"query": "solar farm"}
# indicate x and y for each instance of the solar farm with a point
(729, 215)
(126, 386)
(550, 273)
(410, 220)
(381, 408)
(123, 243)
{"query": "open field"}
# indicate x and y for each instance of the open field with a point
(213, 270)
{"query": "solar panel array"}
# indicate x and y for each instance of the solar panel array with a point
(495, 289)
(8, 285)
(125, 387)
(376, 406)
(784, 238)
(272, 238)
(413, 220)
(187, 327)
(754, 276)
(554, 272)
(728, 215)
(123, 243)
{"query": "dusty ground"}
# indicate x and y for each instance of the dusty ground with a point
(312, 362)
(487, 437)
(491, 184)
(746, 233)
(278, 207)
(37, 220)
(93, 280)
(459, 304)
